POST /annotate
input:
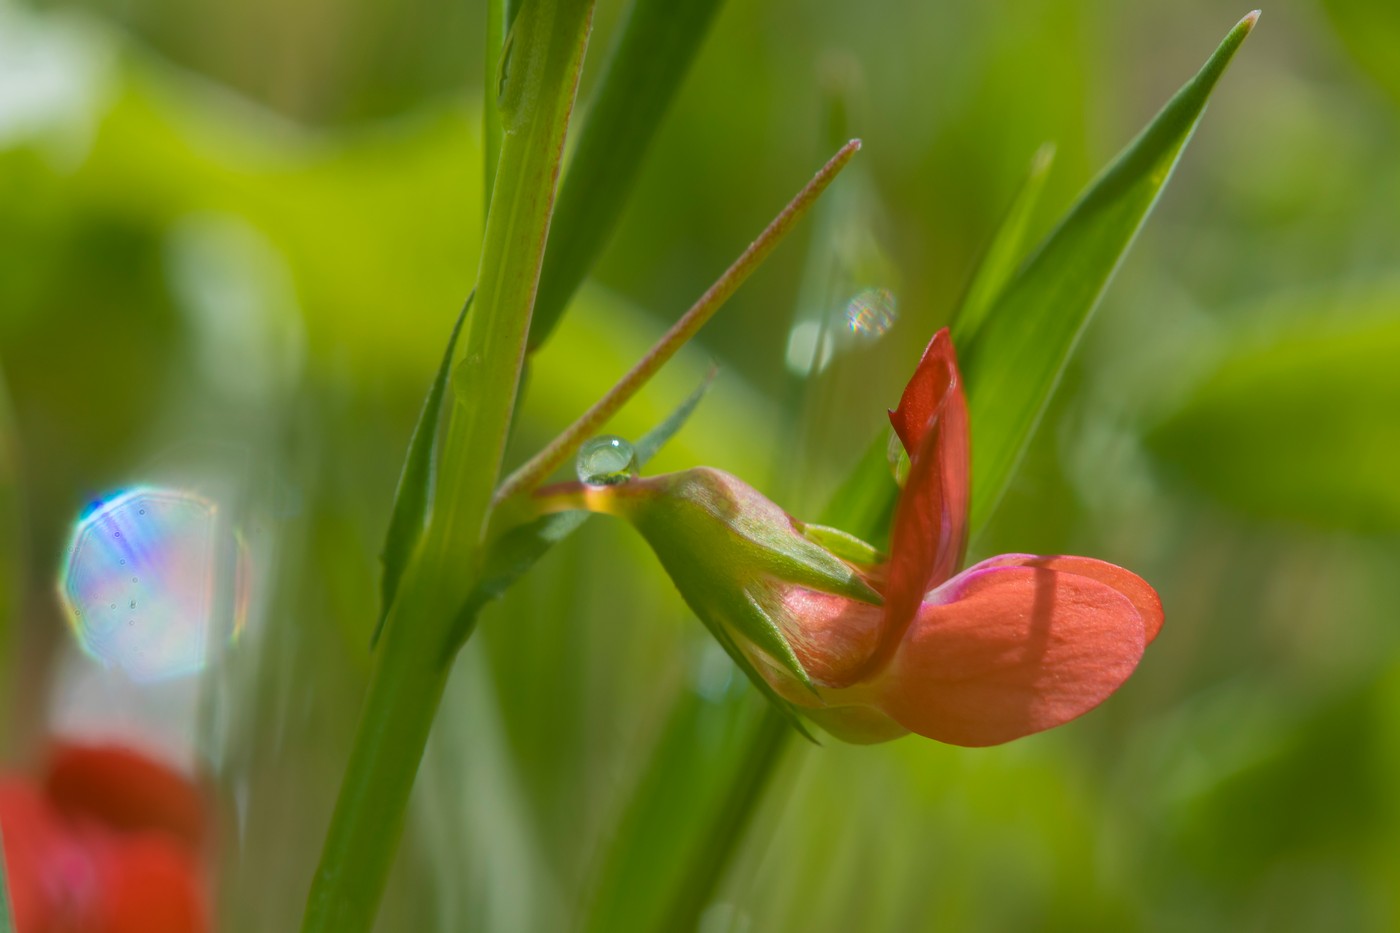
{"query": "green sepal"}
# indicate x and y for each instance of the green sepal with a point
(731, 553)
(843, 544)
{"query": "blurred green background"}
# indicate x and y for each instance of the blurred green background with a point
(233, 238)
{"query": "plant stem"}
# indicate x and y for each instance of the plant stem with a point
(539, 467)
(404, 692)
(423, 627)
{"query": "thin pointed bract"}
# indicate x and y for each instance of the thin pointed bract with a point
(644, 69)
(414, 494)
(1018, 353)
(539, 467)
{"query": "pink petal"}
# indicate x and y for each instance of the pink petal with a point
(1137, 590)
(930, 522)
(1002, 652)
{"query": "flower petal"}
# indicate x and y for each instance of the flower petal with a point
(125, 790)
(930, 522)
(32, 836)
(1002, 652)
(832, 636)
(1137, 590)
(147, 883)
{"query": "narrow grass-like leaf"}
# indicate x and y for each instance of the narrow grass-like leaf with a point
(415, 490)
(706, 776)
(651, 56)
(532, 473)
(1019, 352)
(1004, 253)
(864, 504)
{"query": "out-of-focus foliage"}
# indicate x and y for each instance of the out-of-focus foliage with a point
(1299, 422)
(253, 225)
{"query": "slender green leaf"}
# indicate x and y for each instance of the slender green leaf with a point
(415, 490)
(1004, 253)
(645, 68)
(708, 773)
(1299, 424)
(1018, 354)
(864, 504)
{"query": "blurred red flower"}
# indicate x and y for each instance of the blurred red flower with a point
(109, 841)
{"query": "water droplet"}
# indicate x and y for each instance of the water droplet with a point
(114, 605)
(141, 512)
(606, 461)
(871, 312)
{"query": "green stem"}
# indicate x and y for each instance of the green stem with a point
(423, 627)
(402, 701)
(539, 467)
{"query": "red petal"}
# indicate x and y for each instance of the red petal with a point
(1002, 652)
(930, 522)
(1138, 591)
(32, 838)
(832, 636)
(125, 790)
(148, 884)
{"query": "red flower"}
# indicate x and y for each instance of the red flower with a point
(870, 649)
(109, 843)
(1011, 646)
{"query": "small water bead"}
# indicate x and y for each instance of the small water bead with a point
(606, 460)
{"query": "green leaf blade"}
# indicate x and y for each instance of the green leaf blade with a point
(1004, 252)
(415, 490)
(1016, 358)
(644, 70)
